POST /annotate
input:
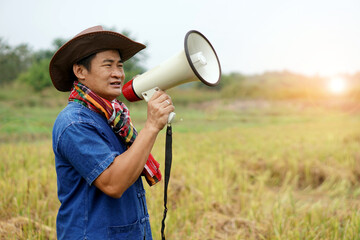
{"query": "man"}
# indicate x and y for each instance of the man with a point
(98, 159)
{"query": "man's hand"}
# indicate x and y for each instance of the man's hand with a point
(159, 108)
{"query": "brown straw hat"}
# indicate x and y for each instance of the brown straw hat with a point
(89, 41)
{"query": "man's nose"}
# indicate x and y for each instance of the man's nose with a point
(118, 73)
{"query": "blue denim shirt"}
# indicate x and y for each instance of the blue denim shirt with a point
(84, 146)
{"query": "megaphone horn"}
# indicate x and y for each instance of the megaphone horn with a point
(197, 62)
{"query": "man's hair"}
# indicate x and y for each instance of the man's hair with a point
(86, 61)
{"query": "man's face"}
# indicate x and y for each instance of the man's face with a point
(106, 76)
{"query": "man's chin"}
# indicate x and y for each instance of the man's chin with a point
(116, 94)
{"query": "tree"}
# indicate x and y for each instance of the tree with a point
(13, 61)
(48, 53)
(38, 75)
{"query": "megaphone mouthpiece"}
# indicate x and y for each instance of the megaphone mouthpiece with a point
(129, 92)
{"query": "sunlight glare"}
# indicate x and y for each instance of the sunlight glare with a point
(337, 85)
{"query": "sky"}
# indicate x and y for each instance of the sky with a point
(311, 37)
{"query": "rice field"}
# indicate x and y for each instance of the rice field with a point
(244, 169)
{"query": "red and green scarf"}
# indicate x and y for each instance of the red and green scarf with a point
(118, 117)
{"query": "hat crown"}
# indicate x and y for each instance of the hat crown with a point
(90, 30)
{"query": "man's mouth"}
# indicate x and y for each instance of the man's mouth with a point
(116, 83)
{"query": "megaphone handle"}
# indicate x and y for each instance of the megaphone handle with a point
(147, 96)
(171, 117)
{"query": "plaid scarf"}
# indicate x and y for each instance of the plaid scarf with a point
(118, 117)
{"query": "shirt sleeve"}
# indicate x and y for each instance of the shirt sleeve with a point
(87, 150)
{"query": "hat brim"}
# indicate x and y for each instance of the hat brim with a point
(61, 64)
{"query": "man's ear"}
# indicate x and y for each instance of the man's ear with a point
(79, 71)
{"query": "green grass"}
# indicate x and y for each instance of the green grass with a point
(245, 169)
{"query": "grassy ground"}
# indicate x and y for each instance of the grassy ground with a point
(241, 169)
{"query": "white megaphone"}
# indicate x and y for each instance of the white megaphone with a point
(197, 62)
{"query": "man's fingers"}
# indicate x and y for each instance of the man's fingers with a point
(160, 98)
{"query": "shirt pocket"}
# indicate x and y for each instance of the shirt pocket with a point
(142, 202)
(131, 232)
